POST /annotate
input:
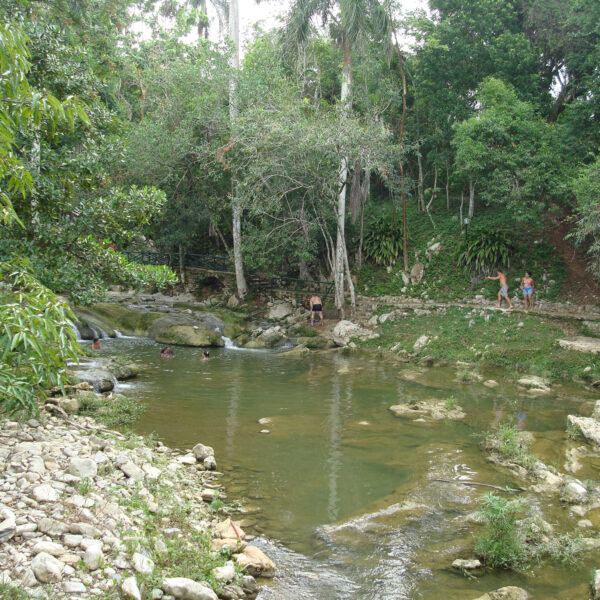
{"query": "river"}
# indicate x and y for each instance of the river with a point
(336, 488)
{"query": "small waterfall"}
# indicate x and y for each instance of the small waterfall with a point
(228, 343)
(118, 334)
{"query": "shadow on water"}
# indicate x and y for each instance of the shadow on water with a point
(339, 491)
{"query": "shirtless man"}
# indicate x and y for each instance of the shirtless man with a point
(316, 307)
(503, 293)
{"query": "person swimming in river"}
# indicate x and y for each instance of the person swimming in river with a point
(167, 352)
(96, 345)
(205, 355)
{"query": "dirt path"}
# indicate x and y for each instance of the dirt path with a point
(579, 287)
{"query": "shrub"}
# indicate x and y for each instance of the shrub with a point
(501, 545)
(484, 250)
(383, 241)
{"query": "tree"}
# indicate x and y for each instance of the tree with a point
(355, 20)
(508, 152)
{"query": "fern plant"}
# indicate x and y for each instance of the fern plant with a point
(383, 241)
(485, 249)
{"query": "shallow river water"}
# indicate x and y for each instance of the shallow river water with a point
(339, 491)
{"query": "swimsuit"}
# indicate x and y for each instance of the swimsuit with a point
(504, 291)
(317, 308)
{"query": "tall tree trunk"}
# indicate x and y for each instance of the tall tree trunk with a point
(236, 209)
(181, 264)
(202, 25)
(462, 201)
(471, 198)
(420, 183)
(447, 187)
(401, 147)
(340, 249)
(359, 252)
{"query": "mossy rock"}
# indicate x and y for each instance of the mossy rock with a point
(241, 340)
(126, 320)
(255, 344)
(126, 371)
(233, 330)
(316, 343)
(187, 335)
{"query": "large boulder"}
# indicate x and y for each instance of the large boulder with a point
(187, 589)
(344, 331)
(47, 569)
(100, 379)
(589, 428)
(255, 562)
(187, 331)
(280, 311)
(417, 272)
(110, 316)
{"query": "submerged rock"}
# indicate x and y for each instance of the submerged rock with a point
(506, 593)
(466, 564)
(434, 409)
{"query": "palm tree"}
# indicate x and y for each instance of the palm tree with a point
(354, 21)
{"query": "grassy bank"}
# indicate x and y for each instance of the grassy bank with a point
(524, 343)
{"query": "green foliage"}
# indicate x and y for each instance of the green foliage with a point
(485, 250)
(8, 592)
(501, 545)
(118, 411)
(509, 443)
(383, 240)
(36, 339)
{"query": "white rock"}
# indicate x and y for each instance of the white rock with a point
(187, 589)
(142, 564)
(83, 467)
(210, 464)
(74, 587)
(587, 426)
(8, 526)
(344, 331)
(152, 473)
(280, 311)
(575, 492)
(421, 343)
(132, 471)
(130, 588)
(49, 547)
(45, 493)
(225, 573)
(93, 557)
(47, 569)
(256, 562)
(491, 383)
(466, 564)
(187, 459)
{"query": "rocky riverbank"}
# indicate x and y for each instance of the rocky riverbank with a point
(86, 512)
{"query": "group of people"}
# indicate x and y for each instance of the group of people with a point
(167, 352)
(526, 287)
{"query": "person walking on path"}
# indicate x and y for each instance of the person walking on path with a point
(503, 293)
(527, 286)
(316, 308)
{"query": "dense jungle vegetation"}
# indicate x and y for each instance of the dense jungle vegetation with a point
(341, 146)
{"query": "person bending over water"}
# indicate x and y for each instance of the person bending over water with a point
(503, 293)
(167, 352)
(527, 286)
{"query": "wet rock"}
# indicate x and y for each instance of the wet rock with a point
(249, 585)
(201, 452)
(187, 589)
(142, 564)
(210, 464)
(588, 427)
(83, 467)
(467, 565)
(506, 593)
(255, 562)
(100, 379)
(47, 569)
(130, 588)
(575, 493)
(536, 385)
(491, 383)
(434, 409)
